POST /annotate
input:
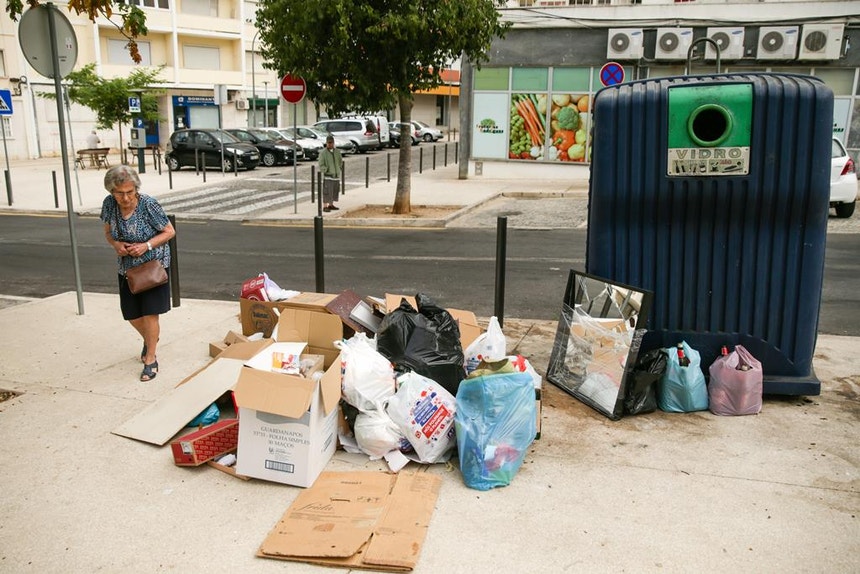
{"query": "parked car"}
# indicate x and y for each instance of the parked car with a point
(311, 145)
(843, 181)
(273, 151)
(187, 146)
(282, 135)
(361, 132)
(426, 132)
(394, 129)
(341, 143)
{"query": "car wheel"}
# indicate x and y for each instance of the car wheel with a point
(428, 137)
(173, 163)
(269, 159)
(845, 209)
(228, 164)
(354, 148)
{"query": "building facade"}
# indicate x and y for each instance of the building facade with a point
(531, 101)
(213, 76)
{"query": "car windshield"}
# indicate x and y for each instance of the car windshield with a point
(262, 134)
(309, 133)
(317, 132)
(422, 124)
(224, 137)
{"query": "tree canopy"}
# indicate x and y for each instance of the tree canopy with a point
(370, 55)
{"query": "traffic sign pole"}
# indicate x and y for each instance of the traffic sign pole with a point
(293, 90)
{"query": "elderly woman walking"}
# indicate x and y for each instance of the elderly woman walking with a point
(137, 228)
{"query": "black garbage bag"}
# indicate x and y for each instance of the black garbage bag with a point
(641, 395)
(426, 341)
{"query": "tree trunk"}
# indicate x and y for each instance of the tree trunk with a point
(122, 157)
(402, 198)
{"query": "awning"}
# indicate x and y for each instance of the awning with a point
(440, 91)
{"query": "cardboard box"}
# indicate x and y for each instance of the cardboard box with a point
(289, 423)
(260, 316)
(369, 520)
(217, 347)
(205, 444)
(255, 289)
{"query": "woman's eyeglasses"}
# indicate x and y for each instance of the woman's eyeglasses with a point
(124, 193)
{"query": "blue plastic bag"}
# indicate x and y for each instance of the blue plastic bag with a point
(682, 389)
(495, 423)
(209, 415)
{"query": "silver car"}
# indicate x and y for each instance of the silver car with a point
(361, 132)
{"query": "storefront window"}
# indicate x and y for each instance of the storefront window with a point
(571, 79)
(491, 79)
(530, 79)
(840, 81)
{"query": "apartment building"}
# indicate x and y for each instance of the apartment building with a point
(213, 76)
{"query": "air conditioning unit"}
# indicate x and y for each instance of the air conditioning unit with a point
(242, 104)
(821, 42)
(673, 43)
(731, 43)
(777, 43)
(625, 44)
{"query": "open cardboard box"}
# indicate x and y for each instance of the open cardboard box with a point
(260, 316)
(367, 520)
(288, 429)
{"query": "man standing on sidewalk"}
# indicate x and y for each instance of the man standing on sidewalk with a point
(331, 168)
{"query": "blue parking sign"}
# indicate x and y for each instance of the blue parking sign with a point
(134, 105)
(5, 102)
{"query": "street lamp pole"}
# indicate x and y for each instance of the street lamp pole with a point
(253, 83)
(266, 100)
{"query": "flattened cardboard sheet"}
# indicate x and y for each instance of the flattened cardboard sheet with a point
(367, 520)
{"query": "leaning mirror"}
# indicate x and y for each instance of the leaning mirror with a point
(597, 341)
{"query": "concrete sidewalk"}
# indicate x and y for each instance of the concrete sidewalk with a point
(776, 492)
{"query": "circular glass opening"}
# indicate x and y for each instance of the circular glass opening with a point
(709, 125)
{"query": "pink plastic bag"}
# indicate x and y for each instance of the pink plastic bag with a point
(736, 384)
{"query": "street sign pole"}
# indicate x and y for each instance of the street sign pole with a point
(293, 90)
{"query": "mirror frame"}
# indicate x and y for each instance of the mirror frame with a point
(558, 374)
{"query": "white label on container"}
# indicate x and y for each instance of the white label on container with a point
(711, 161)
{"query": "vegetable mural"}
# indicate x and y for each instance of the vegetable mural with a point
(569, 119)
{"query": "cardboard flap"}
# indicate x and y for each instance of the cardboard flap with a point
(338, 520)
(244, 350)
(318, 330)
(274, 392)
(330, 386)
(392, 301)
(162, 419)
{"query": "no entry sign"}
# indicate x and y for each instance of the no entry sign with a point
(293, 88)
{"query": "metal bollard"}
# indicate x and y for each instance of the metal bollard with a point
(343, 180)
(196, 162)
(313, 181)
(203, 168)
(456, 152)
(420, 160)
(501, 250)
(319, 267)
(434, 157)
(388, 167)
(319, 194)
(174, 263)
(235, 166)
(366, 172)
(169, 176)
(446, 155)
(56, 195)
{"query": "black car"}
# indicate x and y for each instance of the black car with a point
(273, 150)
(188, 146)
(394, 130)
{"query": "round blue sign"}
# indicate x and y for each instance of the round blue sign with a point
(611, 73)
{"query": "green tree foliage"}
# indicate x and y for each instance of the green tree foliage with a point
(132, 19)
(109, 98)
(369, 55)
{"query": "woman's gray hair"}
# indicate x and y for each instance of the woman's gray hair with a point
(121, 174)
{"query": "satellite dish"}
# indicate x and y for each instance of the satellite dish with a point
(35, 40)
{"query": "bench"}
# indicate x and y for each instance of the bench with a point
(98, 157)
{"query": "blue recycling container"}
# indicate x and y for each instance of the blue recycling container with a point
(713, 193)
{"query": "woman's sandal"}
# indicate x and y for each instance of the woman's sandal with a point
(143, 353)
(149, 372)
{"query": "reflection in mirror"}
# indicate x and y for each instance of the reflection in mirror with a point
(599, 332)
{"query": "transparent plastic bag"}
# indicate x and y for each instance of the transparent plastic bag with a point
(496, 423)
(682, 389)
(736, 384)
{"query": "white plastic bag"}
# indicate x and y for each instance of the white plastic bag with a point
(489, 346)
(368, 377)
(424, 412)
(376, 434)
(274, 291)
